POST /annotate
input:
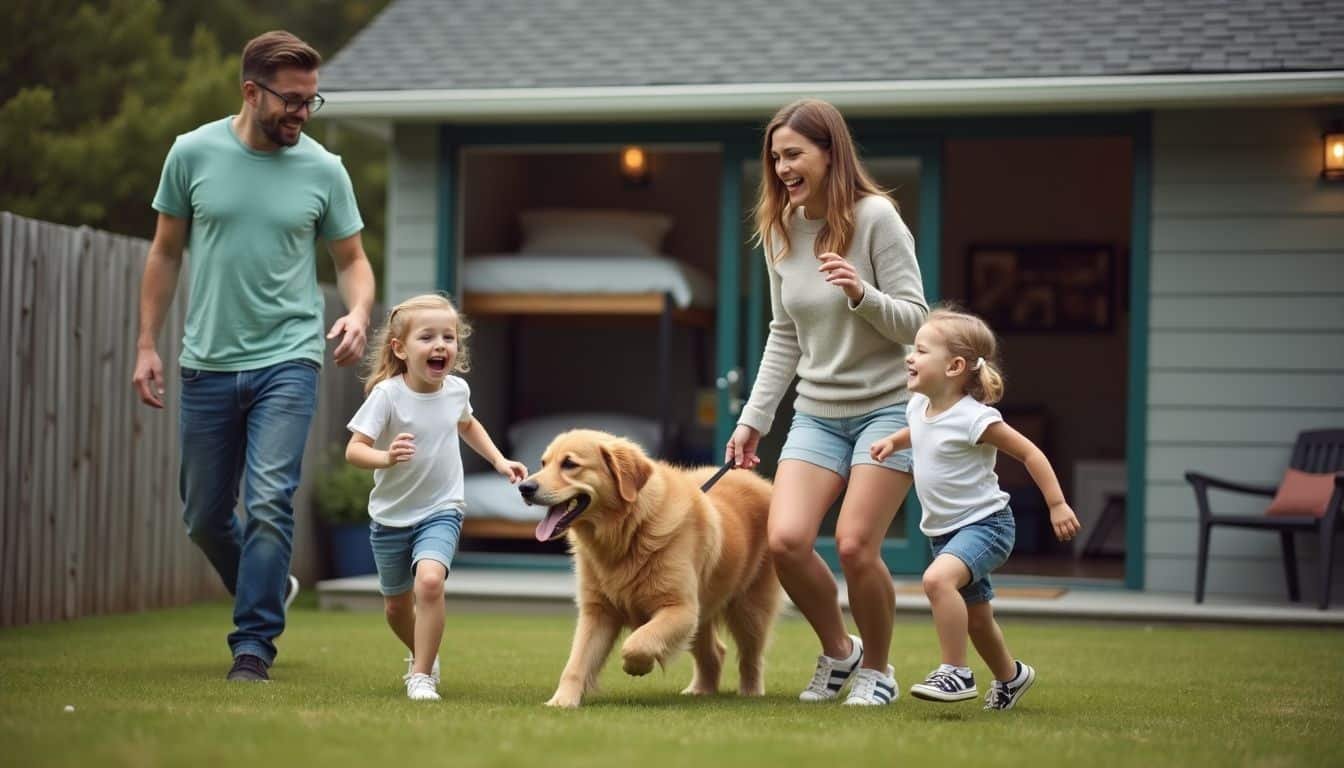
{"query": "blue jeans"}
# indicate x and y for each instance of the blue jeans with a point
(397, 551)
(249, 424)
(839, 444)
(983, 546)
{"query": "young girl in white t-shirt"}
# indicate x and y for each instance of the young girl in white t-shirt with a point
(407, 432)
(954, 436)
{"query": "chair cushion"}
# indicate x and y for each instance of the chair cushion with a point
(1302, 493)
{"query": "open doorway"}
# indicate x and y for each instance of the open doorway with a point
(1036, 239)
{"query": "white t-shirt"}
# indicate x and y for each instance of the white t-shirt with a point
(954, 474)
(408, 492)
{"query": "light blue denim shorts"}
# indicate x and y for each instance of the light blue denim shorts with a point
(838, 444)
(396, 551)
(983, 546)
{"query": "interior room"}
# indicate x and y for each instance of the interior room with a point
(1054, 213)
(571, 231)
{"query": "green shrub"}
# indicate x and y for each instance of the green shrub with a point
(342, 493)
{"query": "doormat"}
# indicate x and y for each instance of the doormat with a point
(1034, 593)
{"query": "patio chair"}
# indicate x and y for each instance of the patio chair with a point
(1316, 452)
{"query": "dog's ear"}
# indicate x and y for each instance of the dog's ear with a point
(629, 466)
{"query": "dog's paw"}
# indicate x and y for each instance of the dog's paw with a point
(637, 658)
(564, 701)
(698, 690)
(757, 689)
(636, 663)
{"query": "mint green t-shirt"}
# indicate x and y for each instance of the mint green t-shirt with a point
(254, 220)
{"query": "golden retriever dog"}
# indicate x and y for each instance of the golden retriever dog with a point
(654, 553)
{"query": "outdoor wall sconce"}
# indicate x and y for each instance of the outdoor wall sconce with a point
(635, 166)
(1334, 153)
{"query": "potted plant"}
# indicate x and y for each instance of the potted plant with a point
(341, 501)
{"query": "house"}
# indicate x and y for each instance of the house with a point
(1132, 192)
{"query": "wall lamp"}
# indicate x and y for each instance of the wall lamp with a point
(1333, 163)
(635, 166)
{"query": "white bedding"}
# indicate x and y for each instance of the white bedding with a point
(569, 273)
(490, 496)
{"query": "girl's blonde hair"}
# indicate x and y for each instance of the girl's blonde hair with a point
(970, 338)
(846, 179)
(382, 361)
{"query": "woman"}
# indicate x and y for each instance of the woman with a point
(846, 296)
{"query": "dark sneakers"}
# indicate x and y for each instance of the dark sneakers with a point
(249, 669)
(945, 684)
(1004, 695)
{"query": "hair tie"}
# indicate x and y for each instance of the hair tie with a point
(979, 363)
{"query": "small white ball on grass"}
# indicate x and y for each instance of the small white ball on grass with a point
(69, 707)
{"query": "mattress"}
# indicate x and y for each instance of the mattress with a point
(575, 274)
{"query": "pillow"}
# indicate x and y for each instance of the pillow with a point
(593, 231)
(490, 496)
(529, 438)
(1302, 494)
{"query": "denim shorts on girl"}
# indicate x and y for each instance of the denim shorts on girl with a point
(838, 444)
(983, 546)
(397, 550)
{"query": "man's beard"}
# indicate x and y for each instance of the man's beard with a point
(274, 132)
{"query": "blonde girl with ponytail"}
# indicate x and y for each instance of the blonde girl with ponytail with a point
(414, 414)
(955, 435)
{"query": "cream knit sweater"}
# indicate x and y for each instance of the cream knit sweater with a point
(849, 358)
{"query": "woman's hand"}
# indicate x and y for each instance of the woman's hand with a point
(1063, 521)
(741, 448)
(841, 273)
(401, 449)
(515, 471)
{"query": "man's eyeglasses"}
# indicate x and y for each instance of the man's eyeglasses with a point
(293, 105)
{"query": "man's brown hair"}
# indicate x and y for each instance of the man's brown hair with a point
(274, 50)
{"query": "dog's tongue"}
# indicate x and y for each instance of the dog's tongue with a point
(546, 528)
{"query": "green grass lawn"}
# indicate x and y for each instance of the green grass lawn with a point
(149, 690)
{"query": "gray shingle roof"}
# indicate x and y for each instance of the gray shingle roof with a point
(457, 44)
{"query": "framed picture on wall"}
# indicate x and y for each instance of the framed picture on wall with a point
(1042, 288)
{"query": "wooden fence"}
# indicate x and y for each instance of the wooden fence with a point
(91, 520)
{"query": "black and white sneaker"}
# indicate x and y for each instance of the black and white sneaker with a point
(873, 689)
(248, 669)
(291, 591)
(1005, 695)
(832, 674)
(945, 684)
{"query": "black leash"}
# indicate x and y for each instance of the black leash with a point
(722, 470)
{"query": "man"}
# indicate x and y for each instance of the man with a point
(248, 196)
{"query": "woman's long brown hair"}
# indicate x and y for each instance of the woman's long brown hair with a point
(846, 180)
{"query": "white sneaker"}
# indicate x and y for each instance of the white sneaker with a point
(291, 591)
(832, 674)
(410, 669)
(872, 688)
(945, 684)
(421, 687)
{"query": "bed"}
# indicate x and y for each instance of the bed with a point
(581, 262)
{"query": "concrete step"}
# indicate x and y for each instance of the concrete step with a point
(547, 590)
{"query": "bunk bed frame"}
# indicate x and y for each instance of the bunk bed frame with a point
(661, 305)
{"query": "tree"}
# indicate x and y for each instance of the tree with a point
(92, 96)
